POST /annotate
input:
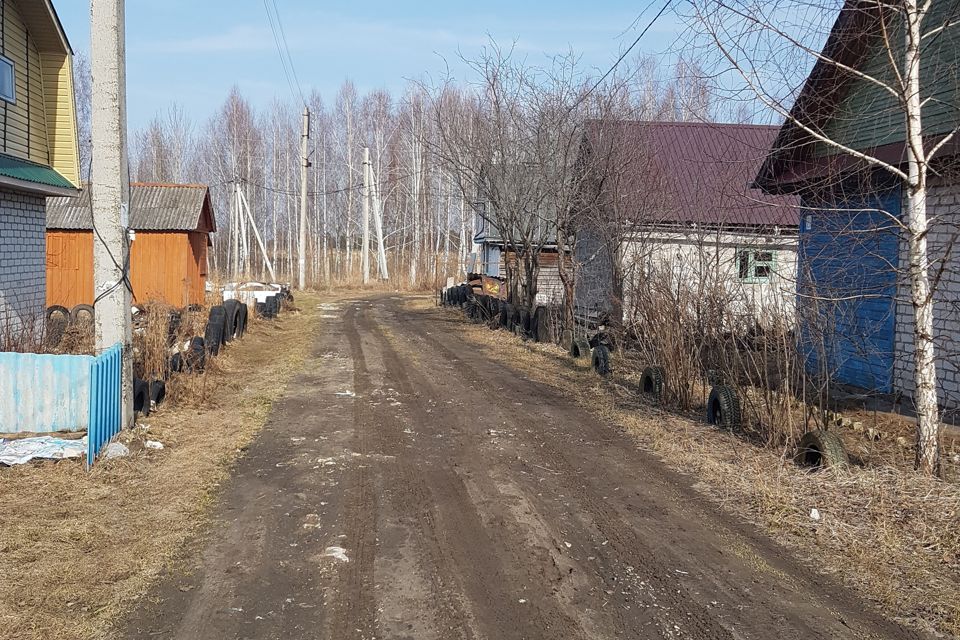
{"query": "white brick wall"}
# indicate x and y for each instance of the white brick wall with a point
(22, 261)
(943, 206)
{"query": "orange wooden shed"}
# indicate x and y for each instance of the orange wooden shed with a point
(168, 257)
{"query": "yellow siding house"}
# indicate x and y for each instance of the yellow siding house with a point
(39, 154)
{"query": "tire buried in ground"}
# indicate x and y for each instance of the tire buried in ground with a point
(82, 313)
(506, 316)
(141, 397)
(542, 327)
(601, 360)
(158, 391)
(232, 320)
(580, 348)
(723, 407)
(821, 449)
(653, 381)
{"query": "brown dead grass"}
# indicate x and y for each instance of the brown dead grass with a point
(889, 533)
(77, 548)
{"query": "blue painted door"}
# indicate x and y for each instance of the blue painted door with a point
(847, 286)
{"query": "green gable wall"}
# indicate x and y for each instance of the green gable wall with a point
(868, 116)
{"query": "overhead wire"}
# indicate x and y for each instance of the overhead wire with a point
(280, 50)
(623, 56)
(283, 50)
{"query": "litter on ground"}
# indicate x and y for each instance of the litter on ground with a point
(153, 444)
(22, 451)
(336, 552)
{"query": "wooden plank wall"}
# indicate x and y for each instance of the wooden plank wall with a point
(170, 267)
(69, 268)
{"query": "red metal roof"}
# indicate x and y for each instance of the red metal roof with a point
(692, 172)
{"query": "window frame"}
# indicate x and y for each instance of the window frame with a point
(12, 99)
(753, 263)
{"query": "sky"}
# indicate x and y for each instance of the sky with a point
(191, 52)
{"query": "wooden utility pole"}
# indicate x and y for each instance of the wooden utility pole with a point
(365, 251)
(305, 159)
(110, 187)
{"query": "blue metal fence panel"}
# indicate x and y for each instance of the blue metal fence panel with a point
(105, 419)
(847, 266)
(43, 393)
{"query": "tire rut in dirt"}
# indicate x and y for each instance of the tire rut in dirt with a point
(617, 544)
(494, 567)
(801, 604)
(356, 609)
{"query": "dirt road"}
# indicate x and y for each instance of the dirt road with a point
(410, 487)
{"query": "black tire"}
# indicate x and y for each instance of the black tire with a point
(523, 321)
(653, 382)
(723, 407)
(82, 313)
(231, 323)
(506, 316)
(195, 358)
(243, 316)
(58, 319)
(158, 391)
(601, 360)
(540, 326)
(176, 363)
(273, 306)
(213, 336)
(821, 449)
(60, 310)
(260, 308)
(580, 348)
(141, 397)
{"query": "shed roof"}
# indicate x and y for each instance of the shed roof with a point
(153, 207)
(692, 172)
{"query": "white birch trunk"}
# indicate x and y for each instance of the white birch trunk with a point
(925, 370)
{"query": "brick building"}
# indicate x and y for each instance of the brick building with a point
(38, 153)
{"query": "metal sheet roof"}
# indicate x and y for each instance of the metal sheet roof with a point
(20, 169)
(693, 172)
(153, 207)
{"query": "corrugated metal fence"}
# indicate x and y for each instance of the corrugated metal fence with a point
(104, 412)
(42, 393)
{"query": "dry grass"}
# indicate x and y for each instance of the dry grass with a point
(884, 530)
(77, 548)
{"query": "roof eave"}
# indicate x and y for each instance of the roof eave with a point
(37, 188)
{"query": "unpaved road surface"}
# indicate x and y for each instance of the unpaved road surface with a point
(409, 486)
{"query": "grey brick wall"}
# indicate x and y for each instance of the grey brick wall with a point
(943, 209)
(22, 261)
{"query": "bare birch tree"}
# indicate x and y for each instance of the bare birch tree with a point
(759, 52)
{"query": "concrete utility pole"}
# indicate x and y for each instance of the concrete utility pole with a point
(365, 254)
(109, 189)
(305, 156)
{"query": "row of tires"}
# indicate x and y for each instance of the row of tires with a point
(225, 323)
(818, 448)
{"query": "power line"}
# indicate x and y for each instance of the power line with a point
(286, 60)
(663, 10)
(283, 36)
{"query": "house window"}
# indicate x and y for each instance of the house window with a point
(7, 82)
(755, 266)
